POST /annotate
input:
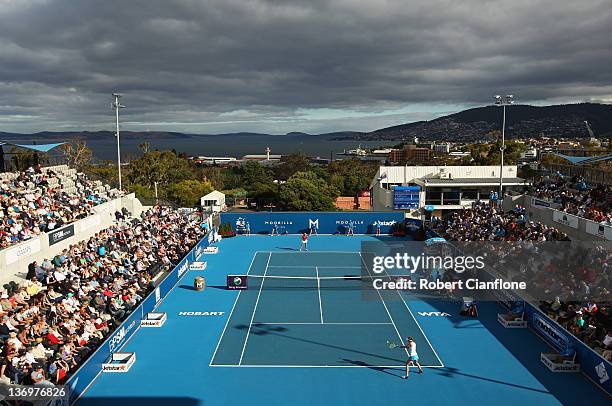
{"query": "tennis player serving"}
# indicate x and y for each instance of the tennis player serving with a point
(413, 357)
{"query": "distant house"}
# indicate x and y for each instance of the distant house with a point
(214, 201)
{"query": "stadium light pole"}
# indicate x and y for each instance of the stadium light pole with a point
(503, 101)
(116, 105)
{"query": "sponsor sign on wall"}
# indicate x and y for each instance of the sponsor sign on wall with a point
(565, 219)
(539, 203)
(22, 250)
(599, 230)
(325, 222)
(56, 236)
(550, 331)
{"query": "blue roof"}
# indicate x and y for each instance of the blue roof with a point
(34, 147)
(579, 160)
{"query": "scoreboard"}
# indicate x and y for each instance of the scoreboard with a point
(406, 197)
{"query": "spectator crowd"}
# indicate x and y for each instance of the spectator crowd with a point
(51, 323)
(571, 281)
(40, 200)
(576, 197)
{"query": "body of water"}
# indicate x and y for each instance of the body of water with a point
(232, 146)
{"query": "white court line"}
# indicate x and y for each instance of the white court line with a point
(402, 366)
(230, 315)
(319, 290)
(389, 314)
(412, 315)
(328, 323)
(254, 310)
(311, 266)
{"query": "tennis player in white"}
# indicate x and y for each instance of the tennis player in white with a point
(413, 357)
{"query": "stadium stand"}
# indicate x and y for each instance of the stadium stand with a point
(487, 223)
(564, 278)
(71, 302)
(593, 202)
(42, 199)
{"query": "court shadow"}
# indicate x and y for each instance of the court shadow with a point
(187, 287)
(221, 287)
(384, 370)
(526, 347)
(452, 372)
(286, 248)
(264, 330)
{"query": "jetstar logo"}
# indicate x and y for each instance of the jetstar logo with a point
(385, 223)
(114, 367)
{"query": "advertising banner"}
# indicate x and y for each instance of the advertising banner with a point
(565, 219)
(323, 222)
(22, 250)
(599, 230)
(56, 236)
(539, 203)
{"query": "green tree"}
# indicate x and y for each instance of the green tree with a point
(188, 192)
(351, 176)
(291, 164)
(163, 167)
(305, 191)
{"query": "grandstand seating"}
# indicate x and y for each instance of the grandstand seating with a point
(41, 199)
(577, 285)
(575, 196)
(72, 302)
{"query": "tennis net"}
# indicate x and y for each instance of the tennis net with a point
(323, 282)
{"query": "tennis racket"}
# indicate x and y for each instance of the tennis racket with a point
(391, 344)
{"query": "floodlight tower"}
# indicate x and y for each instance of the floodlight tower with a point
(116, 105)
(503, 101)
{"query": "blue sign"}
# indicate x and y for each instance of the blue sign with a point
(430, 207)
(406, 197)
(549, 331)
(324, 222)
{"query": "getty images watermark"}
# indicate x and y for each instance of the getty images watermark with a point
(425, 272)
(488, 270)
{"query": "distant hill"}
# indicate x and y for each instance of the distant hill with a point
(521, 121)
(469, 125)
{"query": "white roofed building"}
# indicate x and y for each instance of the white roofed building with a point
(214, 201)
(437, 187)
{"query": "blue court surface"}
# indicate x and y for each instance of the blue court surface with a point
(307, 332)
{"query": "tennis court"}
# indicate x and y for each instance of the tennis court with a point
(316, 349)
(312, 309)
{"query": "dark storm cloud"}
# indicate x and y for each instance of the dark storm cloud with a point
(262, 64)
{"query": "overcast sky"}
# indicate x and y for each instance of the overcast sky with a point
(281, 65)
